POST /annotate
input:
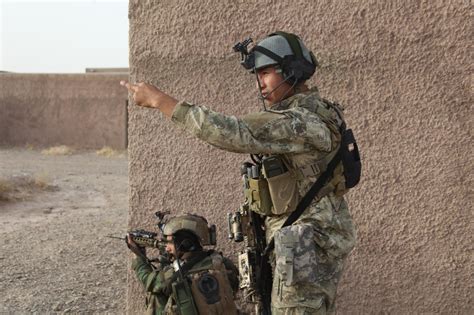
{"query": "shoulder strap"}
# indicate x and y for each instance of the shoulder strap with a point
(190, 264)
(310, 195)
(320, 182)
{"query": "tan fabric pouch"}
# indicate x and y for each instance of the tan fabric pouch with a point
(284, 193)
(259, 196)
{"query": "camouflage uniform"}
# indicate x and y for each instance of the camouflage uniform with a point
(157, 282)
(309, 255)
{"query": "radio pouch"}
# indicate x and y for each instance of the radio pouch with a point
(350, 159)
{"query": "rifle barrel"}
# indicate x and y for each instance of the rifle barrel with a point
(111, 236)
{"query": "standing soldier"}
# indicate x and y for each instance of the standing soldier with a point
(304, 162)
(194, 281)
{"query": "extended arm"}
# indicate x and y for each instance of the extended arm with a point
(263, 132)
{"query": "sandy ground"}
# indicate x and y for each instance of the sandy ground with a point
(54, 256)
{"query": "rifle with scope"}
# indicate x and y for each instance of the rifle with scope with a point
(146, 239)
(142, 238)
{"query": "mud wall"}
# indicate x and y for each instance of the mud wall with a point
(78, 110)
(403, 70)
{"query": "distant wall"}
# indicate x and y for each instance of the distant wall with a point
(403, 70)
(78, 110)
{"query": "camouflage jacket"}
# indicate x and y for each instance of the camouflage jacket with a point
(294, 129)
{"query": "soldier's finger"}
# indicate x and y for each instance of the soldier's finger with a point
(130, 87)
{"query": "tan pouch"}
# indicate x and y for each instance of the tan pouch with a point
(284, 193)
(259, 196)
(211, 289)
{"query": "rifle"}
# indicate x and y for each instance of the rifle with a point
(142, 238)
(145, 239)
(254, 268)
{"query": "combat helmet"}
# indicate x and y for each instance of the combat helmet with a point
(194, 224)
(285, 50)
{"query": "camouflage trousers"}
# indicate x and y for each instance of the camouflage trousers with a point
(310, 301)
(299, 311)
(305, 276)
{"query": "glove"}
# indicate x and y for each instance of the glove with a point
(137, 250)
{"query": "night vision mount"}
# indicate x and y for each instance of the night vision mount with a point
(247, 58)
(162, 218)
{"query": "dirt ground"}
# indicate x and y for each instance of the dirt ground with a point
(54, 253)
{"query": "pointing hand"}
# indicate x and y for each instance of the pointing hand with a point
(148, 95)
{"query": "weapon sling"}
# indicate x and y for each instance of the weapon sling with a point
(309, 196)
(185, 300)
(187, 266)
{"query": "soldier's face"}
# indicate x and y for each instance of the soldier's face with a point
(170, 248)
(272, 88)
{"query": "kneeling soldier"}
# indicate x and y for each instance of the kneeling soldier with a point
(194, 280)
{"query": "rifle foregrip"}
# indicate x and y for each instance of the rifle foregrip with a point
(146, 242)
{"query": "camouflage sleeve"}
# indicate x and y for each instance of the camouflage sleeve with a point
(267, 132)
(154, 281)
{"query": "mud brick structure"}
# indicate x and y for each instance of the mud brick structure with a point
(403, 70)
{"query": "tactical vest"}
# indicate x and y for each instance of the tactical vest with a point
(272, 187)
(211, 292)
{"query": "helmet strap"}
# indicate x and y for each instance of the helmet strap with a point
(177, 249)
(286, 93)
(260, 96)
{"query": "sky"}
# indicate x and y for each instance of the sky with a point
(67, 36)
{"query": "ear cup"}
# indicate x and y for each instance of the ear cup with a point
(186, 245)
(296, 69)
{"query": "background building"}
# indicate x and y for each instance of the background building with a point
(84, 111)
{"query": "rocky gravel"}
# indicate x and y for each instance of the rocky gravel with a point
(55, 257)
